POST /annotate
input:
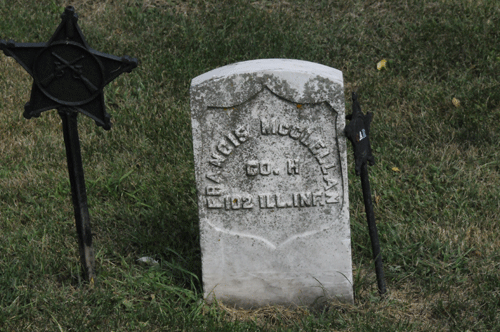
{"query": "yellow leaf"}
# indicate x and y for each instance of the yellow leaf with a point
(455, 102)
(395, 169)
(381, 64)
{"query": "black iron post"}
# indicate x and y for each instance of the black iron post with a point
(78, 192)
(372, 229)
(358, 131)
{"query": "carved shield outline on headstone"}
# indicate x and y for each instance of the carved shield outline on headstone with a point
(233, 94)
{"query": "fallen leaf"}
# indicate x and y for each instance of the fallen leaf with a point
(148, 260)
(381, 64)
(395, 169)
(455, 102)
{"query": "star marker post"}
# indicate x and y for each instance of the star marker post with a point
(358, 132)
(70, 76)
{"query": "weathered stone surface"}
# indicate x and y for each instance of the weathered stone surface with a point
(271, 174)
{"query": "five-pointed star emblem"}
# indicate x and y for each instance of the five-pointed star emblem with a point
(67, 72)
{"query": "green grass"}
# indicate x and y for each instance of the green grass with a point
(437, 213)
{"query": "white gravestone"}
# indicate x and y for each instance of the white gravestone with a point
(271, 175)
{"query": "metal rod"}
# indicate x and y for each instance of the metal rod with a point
(372, 229)
(78, 191)
(358, 132)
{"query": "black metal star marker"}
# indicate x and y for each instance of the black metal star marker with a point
(70, 76)
(67, 72)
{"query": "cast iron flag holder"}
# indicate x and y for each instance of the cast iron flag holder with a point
(70, 76)
(358, 132)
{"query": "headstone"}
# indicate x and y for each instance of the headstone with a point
(271, 175)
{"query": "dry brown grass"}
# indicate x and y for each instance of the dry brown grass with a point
(265, 316)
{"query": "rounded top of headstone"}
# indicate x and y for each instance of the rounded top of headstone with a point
(294, 80)
(271, 66)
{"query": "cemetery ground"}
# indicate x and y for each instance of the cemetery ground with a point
(436, 183)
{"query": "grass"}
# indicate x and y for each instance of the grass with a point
(436, 182)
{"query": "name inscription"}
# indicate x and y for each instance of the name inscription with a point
(218, 198)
